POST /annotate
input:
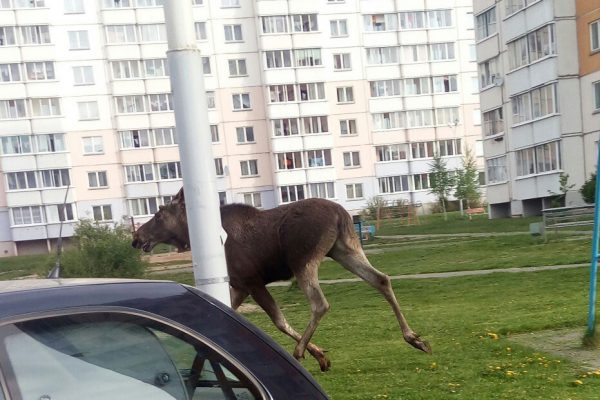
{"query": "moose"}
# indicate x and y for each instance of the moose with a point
(265, 246)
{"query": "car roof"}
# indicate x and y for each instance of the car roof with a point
(20, 285)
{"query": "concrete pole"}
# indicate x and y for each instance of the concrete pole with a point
(207, 238)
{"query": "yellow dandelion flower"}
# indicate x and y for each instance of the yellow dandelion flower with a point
(578, 382)
(493, 335)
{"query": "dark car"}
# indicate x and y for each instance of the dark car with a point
(127, 339)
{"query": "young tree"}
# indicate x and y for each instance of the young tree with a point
(588, 190)
(467, 181)
(559, 199)
(441, 181)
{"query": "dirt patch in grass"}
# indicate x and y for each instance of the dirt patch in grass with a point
(565, 343)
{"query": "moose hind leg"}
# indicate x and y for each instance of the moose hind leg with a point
(266, 302)
(237, 297)
(355, 261)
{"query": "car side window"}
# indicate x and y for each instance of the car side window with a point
(117, 356)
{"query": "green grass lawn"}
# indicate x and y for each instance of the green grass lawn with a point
(457, 316)
(14, 267)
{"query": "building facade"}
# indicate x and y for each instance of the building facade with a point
(341, 99)
(536, 68)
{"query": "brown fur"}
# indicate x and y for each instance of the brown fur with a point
(276, 244)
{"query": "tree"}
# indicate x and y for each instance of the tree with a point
(441, 181)
(559, 199)
(467, 181)
(102, 251)
(588, 190)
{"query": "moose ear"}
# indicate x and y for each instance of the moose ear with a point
(178, 198)
(161, 207)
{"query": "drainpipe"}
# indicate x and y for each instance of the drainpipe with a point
(207, 238)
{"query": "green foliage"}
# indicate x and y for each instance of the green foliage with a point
(441, 181)
(373, 204)
(588, 190)
(101, 251)
(467, 181)
(558, 199)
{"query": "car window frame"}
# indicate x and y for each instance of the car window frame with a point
(4, 359)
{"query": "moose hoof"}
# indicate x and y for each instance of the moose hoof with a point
(324, 363)
(298, 355)
(415, 341)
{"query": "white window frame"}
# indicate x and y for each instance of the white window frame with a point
(40, 70)
(97, 180)
(252, 199)
(121, 34)
(289, 160)
(496, 171)
(170, 170)
(310, 57)
(130, 104)
(160, 102)
(245, 134)
(219, 168)
(314, 125)
(200, 31)
(485, 24)
(292, 193)
(139, 173)
(50, 143)
(22, 180)
(596, 90)
(26, 215)
(104, 212)
(285, 127)
(17, 144)
(318, 158)
(275, 24)
(354, 191)
(338, 28)
(342, 62)
(351, 159)
(275, 59)
(153, 33)
(391, 152)
(83, 75)
(143, 206)
(156, 68)
(348, 127)
(304, 23)
(11, 72)
(233, 33)
(164, 137)
(135, 139)
(88, 110)
(93, 145)
(321, 190)
(595, 36)
(393, 184)
(79, 40)
(249, 168)
(44, 107)
(32, 35)
(345, 95)
(241, 102)
(125, 69)
(74, 7)
(237, 67)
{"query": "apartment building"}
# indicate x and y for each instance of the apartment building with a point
(341, 99)
(539, 116)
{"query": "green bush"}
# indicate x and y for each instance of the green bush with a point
(101, 251)
(588, 190)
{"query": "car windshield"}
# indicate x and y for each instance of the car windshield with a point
(116, 356)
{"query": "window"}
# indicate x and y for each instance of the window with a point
(230, 3)
(382, 55)
(249, 167)
(38, 34)
(121, 34)
(538, 159)
(439, 18)
(421, 181)
(419, 118)
(135, 139)
(392, 152)
(307, 57)
(149, 3)
(245, 134)
(354, 191)
(444, 84)
(102, 213)
(318, 158)
(345, 94)
(338, 27)
(27, 215)
(126, 69)
(416, 86)
(60, 212)
(311, 91)
(441, 51)
(534, 46)
(165, 136)
(141, 207)
(153, 33)
(422, 150)
(380, 22)
(22, 180)
(12, 109)
(496, 170)
(305, 23)
(291, 193)
(388, 120)
(534, 104)
(425, 19)
(447, 148)
(16, 145)
(40, 71)
(285, 127)
(51, 143)
(312, 125)
(237, 67)
(412, 20)
(281, 93)
(157, 67)
(88, 110)
(93, 145)
(278, 59)
(351, 159)
(446, 116)
(161, 102)
(219, 167)
(233, 33)
(493, 122)
(74, 7)
(97, 179)
(512, 6)
(275, 24)
(210, 100)
(83, 75)
(253, 199)
(206, 69)
(393, 184)
(10, 72)
(222, 198)
(7, 36)
(116, 3)
(241, 101)
(55, 178)
(292, 160)
(45, 107)
(415, 53)
(595, 35)
(597, 95)
(78, 40)
(485, 24)
(324, 190)
(139, 173)
(386, 88)
(169, 170)
(341, 62)
(348, 127)
(29, 3)
(214, 133)
(130, 104)
(200, 30)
